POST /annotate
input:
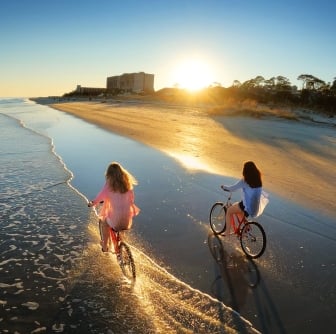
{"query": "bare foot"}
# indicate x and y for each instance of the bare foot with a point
(104, 250)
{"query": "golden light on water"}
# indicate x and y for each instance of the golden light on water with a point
(158, 302)
(190, 162)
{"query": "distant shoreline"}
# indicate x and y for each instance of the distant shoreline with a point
(257, 111)
(219, 143)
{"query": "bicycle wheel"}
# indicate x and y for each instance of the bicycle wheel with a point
(126, 261)
(217, 218)
(253, 239)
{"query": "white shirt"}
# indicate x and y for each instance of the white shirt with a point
(251, 196)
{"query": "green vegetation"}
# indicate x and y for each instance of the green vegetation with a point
(258, 96)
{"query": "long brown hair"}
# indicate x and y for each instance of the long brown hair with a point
(252, 175)
(119, 179)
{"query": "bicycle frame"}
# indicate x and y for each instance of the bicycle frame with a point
(123, 253)
(239, 223)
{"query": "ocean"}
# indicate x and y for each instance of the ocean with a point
(53, 276)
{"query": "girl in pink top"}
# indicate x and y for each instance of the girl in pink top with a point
(117, 194)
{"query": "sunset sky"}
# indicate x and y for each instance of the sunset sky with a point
(49, 47)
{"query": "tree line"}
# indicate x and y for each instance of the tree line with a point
(315, 93)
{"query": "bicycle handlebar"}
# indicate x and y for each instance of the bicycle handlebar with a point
(225, 189)
(229, 191)
(91, 204)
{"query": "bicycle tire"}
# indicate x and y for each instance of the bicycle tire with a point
(217, 218)
(126, 261)
(253, 240)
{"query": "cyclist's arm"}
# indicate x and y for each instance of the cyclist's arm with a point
(233, 187)
(100, 197)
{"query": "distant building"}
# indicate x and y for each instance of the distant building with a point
(131, 82)
(89, 90)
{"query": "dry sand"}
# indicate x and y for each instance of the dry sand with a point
(222, 144)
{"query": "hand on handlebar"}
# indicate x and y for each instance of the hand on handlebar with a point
(90, 203)
(223, 187)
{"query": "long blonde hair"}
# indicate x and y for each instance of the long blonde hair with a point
(119, 179)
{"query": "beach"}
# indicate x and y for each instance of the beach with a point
(296, 158)
(53, 276)
(53, 162)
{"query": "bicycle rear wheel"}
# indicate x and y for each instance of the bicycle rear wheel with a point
(126, 261)
(253, 240)
(217, 218)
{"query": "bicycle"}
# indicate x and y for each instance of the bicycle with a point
(251, 234)
(122, 251)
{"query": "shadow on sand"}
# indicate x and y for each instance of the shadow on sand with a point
(238, 278)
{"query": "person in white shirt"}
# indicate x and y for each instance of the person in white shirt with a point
(251, 185)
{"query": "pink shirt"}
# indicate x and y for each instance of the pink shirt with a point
(118, 209)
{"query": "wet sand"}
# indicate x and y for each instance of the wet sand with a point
(299, 252)
(53, 276)
(296, 159)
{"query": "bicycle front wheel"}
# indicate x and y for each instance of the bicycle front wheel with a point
(126, 261)
(217, 218)
(253, 240)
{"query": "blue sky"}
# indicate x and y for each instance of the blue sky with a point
(48, 47)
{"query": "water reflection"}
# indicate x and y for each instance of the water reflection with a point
(191, 162)
(157, 303)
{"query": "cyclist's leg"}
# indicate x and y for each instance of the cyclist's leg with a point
(106, 231)
(233, 209)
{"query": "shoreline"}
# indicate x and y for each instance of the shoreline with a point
(292, 168)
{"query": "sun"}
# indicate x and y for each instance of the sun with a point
(193, 75)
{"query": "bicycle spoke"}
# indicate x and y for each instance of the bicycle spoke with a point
(253, 240)
(126, 261)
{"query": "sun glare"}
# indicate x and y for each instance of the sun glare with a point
(191, 163)
(193, 75)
